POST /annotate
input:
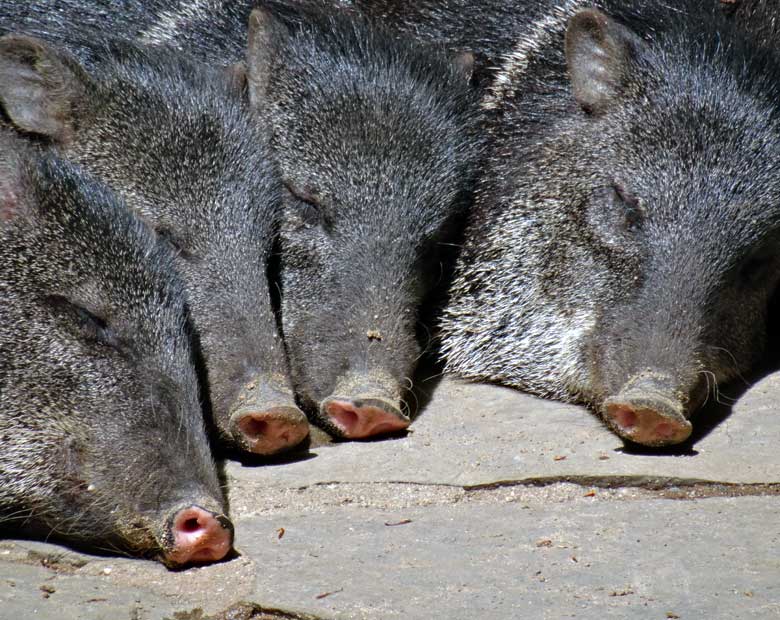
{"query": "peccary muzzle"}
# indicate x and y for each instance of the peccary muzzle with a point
(265, 417)
(649, 410)
(195, 534)
(363, 406)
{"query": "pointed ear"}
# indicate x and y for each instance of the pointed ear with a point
(599, 55)
(464, 64)
(265, 36)
(236, 78)
(39, 87)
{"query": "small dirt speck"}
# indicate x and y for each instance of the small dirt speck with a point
(47, 590)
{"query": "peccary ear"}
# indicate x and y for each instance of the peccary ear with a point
(38, 87)
(265, 33)
(236, 77)
(9, 193)
(599, 55)
(10, 176)
(464, 64)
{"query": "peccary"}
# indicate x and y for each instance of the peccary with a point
(173, 139)
(624, 242)
(103, 442)
(377, 148)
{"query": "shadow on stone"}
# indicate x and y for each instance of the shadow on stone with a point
(298, 454)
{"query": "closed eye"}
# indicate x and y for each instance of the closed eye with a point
(91, 327)
(633, 209)
(173, 241)
(309, 209)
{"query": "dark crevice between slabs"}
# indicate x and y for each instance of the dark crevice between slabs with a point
(243, 611)
(663, 488)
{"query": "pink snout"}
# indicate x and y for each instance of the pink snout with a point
(647, 419)
(198, 536)
(364, 417)
(269, 431)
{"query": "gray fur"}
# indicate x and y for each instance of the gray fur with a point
(172, 138)
(103, 436)
(638, 235)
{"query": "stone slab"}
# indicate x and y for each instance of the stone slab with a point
(474, 434)
(646, 559)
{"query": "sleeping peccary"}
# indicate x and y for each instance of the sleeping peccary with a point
(376, 143)
(172, 138)
(624, 243)
(103, 442)
(602, 264)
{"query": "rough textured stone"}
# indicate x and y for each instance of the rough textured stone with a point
(473, 514)
(474, 434)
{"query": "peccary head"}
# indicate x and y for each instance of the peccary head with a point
(103, 437)
(171, 137)
(646, 202)
(375, 144)
(689, 208)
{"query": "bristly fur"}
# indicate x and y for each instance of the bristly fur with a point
(102, 432)
(377, 141)
(379, 133)
(172, 137)
(759, 17)
(644, 237)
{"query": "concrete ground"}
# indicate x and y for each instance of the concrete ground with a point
(495, 505)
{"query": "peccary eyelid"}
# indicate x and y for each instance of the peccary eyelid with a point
(303, 195)
(634, 212)
(174, 241)
(626, 196)
(92, 326)
(317, 215)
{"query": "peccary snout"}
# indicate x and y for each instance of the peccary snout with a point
(364, 406)
(650, 410)
(265, 420)
(196, 535)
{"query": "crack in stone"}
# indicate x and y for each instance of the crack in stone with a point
(663, 487)
(674, 488)
(243, 611)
